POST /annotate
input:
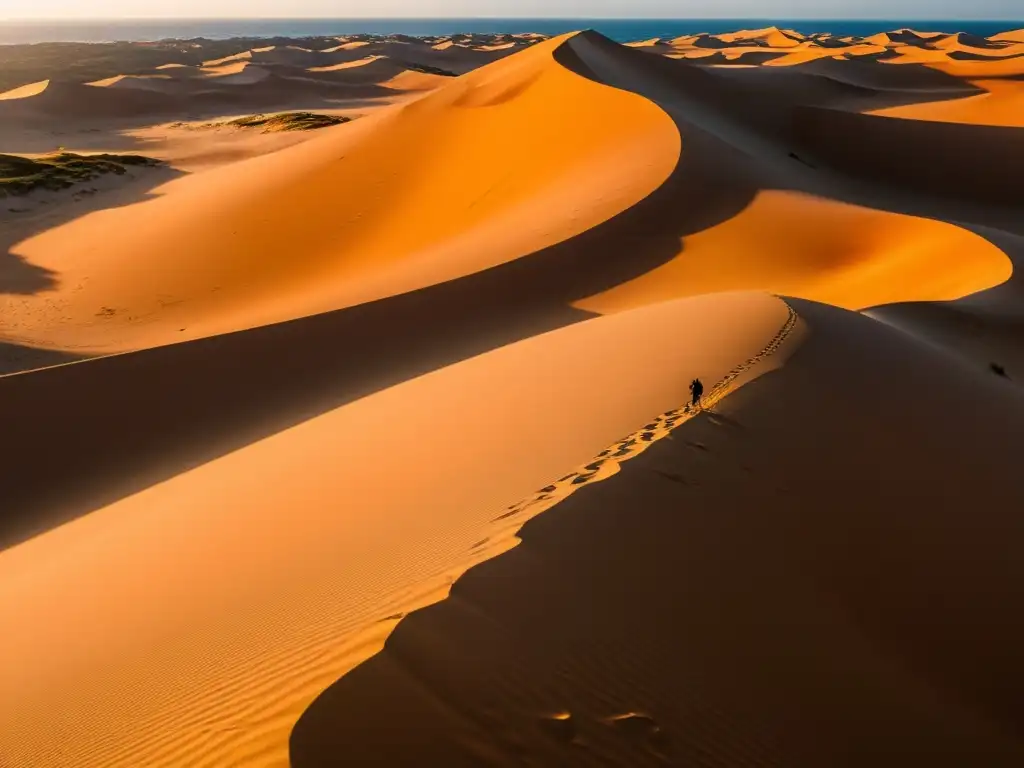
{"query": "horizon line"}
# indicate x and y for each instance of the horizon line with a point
(67, 19)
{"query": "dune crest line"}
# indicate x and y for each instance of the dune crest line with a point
(606, 464)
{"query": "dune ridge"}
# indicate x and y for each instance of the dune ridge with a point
(295, 633)
(282, 412)
(710, 602)
(225, 272)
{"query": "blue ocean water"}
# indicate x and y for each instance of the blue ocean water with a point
(622, 30)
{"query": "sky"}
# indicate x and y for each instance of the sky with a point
(751, 9)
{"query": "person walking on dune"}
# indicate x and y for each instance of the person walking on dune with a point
(696, 389)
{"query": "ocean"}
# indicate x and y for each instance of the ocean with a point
(622, 30)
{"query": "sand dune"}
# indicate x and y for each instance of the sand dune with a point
(1014, 36)
(32, 89)
(712, 602)
(772, 37)
(373, 446)
(1002, 104)
(243, 56)
(297, 620)
(230, 268)
(804, 246)
(158, 83)
(82, 101)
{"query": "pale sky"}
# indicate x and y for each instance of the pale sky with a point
(780, 9)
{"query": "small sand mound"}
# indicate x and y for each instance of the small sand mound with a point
(25, 91)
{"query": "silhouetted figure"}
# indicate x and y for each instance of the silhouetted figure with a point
(696, 389)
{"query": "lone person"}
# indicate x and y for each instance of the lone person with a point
(696, 389)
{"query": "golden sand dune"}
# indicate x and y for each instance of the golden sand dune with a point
(352, 365)
(378, 69)
(348, 64)
(242, 73)
(773, 37)
(272, 608)
(1014, 36)
(735, 589)
(162, 83)
(230, 269)
(1001, 104)
(82, 101)
(243, 56)
(845, 255)
(32, 89)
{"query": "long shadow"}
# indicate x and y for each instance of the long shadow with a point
(116, 137)
(966, 175)
(882, 162)
(820, 84)
(730, 611)
(17, 276)
(16, 357)
(93, 432)
(86, 62)
(977, 164)
(112, 106)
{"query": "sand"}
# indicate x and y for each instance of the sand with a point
(768, 587)
(230, 269)
(298, 591)
(373, 444)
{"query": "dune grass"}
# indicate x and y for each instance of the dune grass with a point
(288, 121)
(428, 69)
(60, 170)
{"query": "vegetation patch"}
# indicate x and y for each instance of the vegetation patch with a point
(21, 175)
(427, 69)
(288, 121)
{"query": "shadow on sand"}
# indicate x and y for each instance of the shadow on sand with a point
(140, 418)
(22, 217)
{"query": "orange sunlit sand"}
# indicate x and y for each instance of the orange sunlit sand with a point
(372, 444)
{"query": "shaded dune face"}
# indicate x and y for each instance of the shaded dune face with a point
(763, 589)
(266, 242)
(458, 181)
(773, 629)
(273, 607)
(844, 253)
(349, 371)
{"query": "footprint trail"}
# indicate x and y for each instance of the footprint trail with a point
(606, 463)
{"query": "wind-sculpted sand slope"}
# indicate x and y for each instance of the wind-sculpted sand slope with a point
(259, 578)
(523, 154)
(414, 218)
(768, 587)
(348, 370)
